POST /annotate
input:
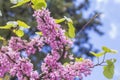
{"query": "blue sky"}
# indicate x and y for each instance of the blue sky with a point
(111, 26)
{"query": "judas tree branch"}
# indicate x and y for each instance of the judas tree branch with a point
(62, 55)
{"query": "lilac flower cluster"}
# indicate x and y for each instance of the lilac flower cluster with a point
(77, 69)
(11, 62)
(6, 57)
(24, 68)
(54, 36)
(52, 32)
(18, 44)
(52, 69)
(56, 71)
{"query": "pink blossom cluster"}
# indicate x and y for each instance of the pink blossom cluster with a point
(23, 69)
(53, 33)
(6, 57)
(11, 62)
(56, 71)
(18, 44)
(54, 36)
(52, 68)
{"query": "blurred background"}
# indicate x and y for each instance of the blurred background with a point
(101, 31)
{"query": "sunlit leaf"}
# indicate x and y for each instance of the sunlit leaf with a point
(108, 50)
(109, 69)
(111, 61)
(20, 3)
(68, 19)
(39, 4)
(22, 24)
(39, 33)
(66, 34)
(9, 25)
(6, 27)
(12, 23)
(19, 33)
(2, 38)
(36, 1)
(71, 30)
(113, 51)
(79, 59)
(66, 63)
(59, 20)
(97, 54)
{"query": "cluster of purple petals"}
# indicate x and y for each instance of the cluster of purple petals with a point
(16, 43)
(12, 63)
(30, 47)
(6, 57)
(56, 71)
(54, 36)
(24, 69)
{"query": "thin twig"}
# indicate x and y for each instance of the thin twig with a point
(62, 55)
(41, 75)
(10, 58)
(89, 22)
(98, 60)
(100, 64)
(103, 58)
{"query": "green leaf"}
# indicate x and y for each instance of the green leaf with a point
(6, 27)
(12, 23)
(39, 4)
(9, 25)
(35, 1)
(66, 34)
(68, 19)
(79, 59)
(39, 33)
(108, 50)
(66, 63)
(20, 3)
(22, 24)
(59, 20)
(98, 54)
(19, 33)
(2, 38)
(113, 51)
(71, 30)
(111, 61)
(109, 69)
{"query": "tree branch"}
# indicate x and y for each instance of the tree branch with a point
(62, 55)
